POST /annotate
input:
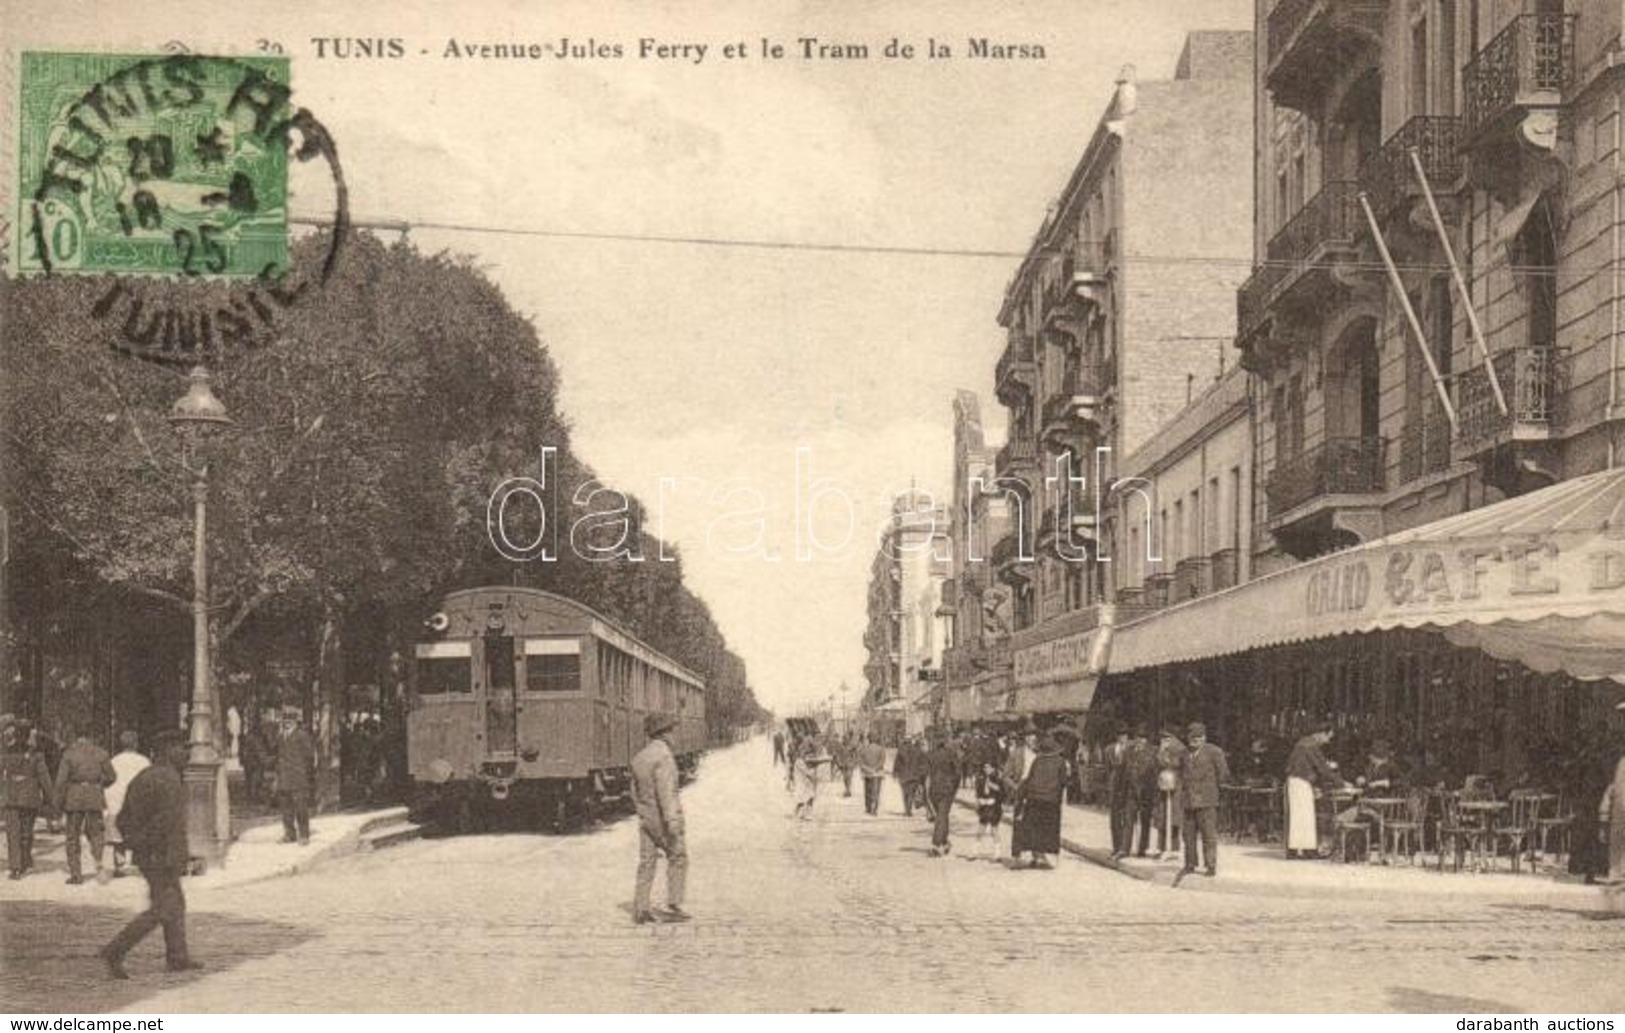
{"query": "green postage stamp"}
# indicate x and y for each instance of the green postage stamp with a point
(172, 164)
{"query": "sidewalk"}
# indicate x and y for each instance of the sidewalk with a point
(1262, 869)
(258, 853)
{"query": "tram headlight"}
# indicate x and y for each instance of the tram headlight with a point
(437, 621)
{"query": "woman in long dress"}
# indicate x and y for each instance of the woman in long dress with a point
(1038, 806)
(804, 773)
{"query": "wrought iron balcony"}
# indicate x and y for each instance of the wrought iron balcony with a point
(1330, 222)
(1018, 458)
(1081, 274)
(1076, 407)
(1312, 41)
(1337, 466)
(1015, 373)
(1529, 64)
(1532, 380)
(1007, 558)
(1388, 177)
(1424, 444)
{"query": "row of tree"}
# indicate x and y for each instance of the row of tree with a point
(369, 433)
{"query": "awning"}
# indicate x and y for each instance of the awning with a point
(980, 700)
(1539, 579)
(1059, 671)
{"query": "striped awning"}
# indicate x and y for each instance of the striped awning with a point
(1539, 579)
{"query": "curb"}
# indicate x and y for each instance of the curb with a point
(347, 843)
(1598, 898)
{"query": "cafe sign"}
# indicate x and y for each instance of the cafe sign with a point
(1466, 577)
(1064, 658)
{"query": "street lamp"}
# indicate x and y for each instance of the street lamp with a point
(197, 415)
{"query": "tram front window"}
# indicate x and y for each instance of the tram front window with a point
(442, 668)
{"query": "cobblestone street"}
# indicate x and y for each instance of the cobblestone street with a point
(845, 912)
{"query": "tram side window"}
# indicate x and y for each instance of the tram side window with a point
(443, 668)
(552, 665)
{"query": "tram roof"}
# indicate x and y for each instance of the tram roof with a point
(585, 610)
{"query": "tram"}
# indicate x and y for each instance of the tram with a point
(527, 702)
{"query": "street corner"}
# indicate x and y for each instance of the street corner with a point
(262, 852)
(51, 963)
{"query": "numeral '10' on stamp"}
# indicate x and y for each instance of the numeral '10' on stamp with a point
(169, 165)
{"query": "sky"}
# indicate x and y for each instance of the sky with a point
(714, 367)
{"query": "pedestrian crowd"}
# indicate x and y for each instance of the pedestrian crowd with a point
(1028, 772)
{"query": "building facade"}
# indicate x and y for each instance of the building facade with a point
(1432, 332)
(909, 629)
(1111, 320)
(976, 667)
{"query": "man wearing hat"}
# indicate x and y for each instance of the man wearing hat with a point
(153, 821)
(660, 823)
(82, 778)
(295, 777)
(25, 783)
(1201, 772)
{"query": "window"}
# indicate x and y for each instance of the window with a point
(444, 667)
(552, 665)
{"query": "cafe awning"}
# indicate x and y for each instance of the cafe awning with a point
(1539, 579)
(1056, 667)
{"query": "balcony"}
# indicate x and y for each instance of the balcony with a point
(1322, 499)
(1018, 458)
(1523, 70)
(1008, 560)
(1076, 409)
(1311, 42)
(1389, 178)
(1532, 383)
(1078, 285)
(1302, 270)
(1158, 591)
(1424, 444)
(1016, 373)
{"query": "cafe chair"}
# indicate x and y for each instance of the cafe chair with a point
(1404, 835)
(1517, 827)
(1459, 836)
(1553, 828)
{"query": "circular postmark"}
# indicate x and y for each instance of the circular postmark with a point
(164, 171)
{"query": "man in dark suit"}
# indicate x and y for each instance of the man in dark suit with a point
(26, 782)
(153, 822)
(295, 775)
(1119, 794)
(1202, 771)
(942, 777)
(82, 779)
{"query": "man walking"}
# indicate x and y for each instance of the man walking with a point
(942, 776)
(153, 821)
(1202, 771)
(295, 776)
(82, 779)
(660, 823)
(778, 747)
(1118, 794)
(1140, 771)
(872, 764)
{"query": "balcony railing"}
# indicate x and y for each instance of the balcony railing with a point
(1424, 444)
(1330, 218)
(1015, 457)
(1311, 40)
(1337, 466)
(1532, 381)
(1389, 179)
(1532, 58)
(1014, 372)
(1192, 578)
(1226, 569)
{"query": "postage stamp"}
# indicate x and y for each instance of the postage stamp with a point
(173, 165)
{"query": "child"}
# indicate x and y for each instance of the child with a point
(990, 794)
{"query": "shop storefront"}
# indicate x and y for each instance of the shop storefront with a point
(1491, 642)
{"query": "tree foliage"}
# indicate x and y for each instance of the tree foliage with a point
(367, 440)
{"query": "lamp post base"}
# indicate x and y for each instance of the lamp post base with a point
(206, 831)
